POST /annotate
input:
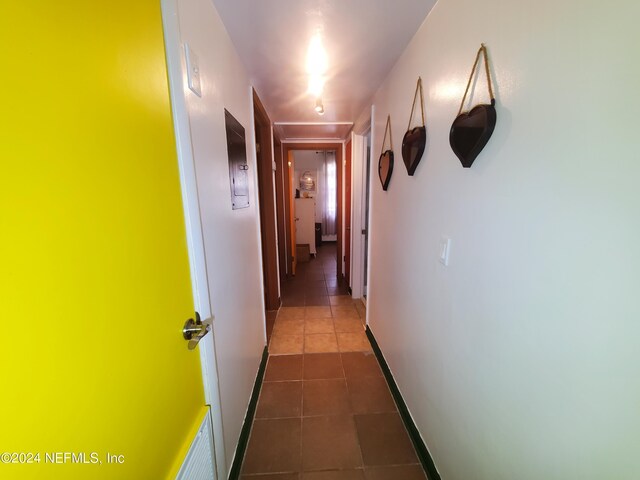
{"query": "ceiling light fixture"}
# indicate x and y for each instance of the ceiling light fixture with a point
(316, 68)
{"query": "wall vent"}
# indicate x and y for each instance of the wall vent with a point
(199, 462)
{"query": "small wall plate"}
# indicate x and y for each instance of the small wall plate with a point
(193, 71)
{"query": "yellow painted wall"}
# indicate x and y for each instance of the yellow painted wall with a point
(94, 277)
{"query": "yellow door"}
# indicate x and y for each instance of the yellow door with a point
(96, 379)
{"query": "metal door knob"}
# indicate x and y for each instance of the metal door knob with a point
(194, 330)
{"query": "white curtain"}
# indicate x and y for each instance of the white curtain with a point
(330, 194)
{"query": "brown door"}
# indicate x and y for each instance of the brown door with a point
(292, 214)
(347, 214)
(339, 218)
(267, 205)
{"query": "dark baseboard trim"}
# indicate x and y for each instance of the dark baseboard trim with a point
(421, 449)
(243, 441)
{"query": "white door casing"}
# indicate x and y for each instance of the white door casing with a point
(357, 265)
(358, 209)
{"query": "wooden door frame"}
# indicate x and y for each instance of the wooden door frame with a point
(266, 194)
(339, 206)
(289, 214)
(338, 147)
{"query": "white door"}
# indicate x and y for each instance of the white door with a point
(305, 211)
(175, 66)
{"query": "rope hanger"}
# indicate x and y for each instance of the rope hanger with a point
(482, 50)
(387, 129)
(413, 105)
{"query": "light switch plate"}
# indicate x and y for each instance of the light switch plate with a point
(193, 70)
(445, 247)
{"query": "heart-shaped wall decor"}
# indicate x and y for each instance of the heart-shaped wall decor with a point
(413, 145)
(471, 131)
(385, 168)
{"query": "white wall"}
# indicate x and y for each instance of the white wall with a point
(521, 359)
(231, 238)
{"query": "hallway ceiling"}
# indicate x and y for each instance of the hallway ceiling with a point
(363, 40)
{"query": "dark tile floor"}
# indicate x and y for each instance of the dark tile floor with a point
(325, 411)
(314, 281)
(328, 416)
